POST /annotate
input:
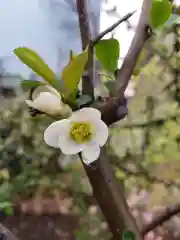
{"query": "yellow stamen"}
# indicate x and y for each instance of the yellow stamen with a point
(81, 132)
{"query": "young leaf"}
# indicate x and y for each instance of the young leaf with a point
(107, 52)
(4, 205)
(37, 64)
(128, 235)
(73, 71)
(71, 55)
(174, 19)
(9, 211)
(160, 12)
(111, 86)
(64, 90)
(83, 100)
(28, 84)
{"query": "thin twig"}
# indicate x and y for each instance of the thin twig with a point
(158, 221)
(111, 28)
(153, 123)
(140, 171)
(145, 174)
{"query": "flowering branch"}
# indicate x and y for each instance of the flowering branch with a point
(85, 131)
(100, 173)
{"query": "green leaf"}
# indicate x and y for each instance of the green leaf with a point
(107, 52)
(128, 235)
(37, 64)
(5, 191)
(84, 99)
(64, 90)
(106, 77)
(111, 86)
(4, 205)
(174, 19)
(28, 84)
(9, 211)
(160, 12)
(73, 72)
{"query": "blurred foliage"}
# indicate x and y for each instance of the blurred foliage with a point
(151, 132)
(20, 135)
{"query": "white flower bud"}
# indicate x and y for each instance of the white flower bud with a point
(47, 100)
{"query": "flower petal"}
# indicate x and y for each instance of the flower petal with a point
(48, 103)
(101, 132)
(52, 133)
(67, 146)
(45, 88)
(54, 91)
(86, 114)
(30, 103)
(90, 153)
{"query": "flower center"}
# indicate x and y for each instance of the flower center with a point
(81, 132)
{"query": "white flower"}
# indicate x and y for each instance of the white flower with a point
(83, 132)
(47, 100)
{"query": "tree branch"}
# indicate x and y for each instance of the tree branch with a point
(145, 174)
(158, 221)
(101, 176)
(114, 109)
(154, 123)
(88, 80)
(141, 36)
(111, 28)
(110, 197)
